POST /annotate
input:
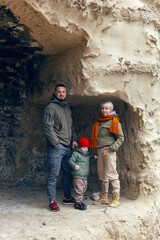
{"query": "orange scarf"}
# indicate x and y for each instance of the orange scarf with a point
(113, 128)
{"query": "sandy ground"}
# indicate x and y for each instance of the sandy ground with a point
(24, 214)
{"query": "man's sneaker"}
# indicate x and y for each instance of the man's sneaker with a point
(80, 206)
(54, 207)
(68, 201)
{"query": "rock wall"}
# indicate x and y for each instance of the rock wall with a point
(100, 50)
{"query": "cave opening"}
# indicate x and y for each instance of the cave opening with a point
(26, 155)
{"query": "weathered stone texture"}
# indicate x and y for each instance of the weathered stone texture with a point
(110, 51)
(101, 50)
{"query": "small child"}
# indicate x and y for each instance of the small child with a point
(79, 163)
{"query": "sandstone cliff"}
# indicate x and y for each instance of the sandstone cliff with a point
(100, 50)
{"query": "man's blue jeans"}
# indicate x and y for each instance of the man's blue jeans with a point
(58, 157)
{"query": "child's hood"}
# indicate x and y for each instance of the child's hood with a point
(81, 152)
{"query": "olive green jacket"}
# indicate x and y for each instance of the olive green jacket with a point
(83, 160)
(57, 123)
(107, 138)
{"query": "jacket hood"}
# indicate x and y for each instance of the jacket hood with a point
(55, 100)
(81, 152)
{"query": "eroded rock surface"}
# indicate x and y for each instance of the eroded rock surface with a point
(100, 50)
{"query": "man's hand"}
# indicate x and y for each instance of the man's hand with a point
(74, 145)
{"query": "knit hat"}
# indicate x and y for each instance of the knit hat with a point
(83, 142)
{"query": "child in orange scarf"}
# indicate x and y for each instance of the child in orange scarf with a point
(107, 136)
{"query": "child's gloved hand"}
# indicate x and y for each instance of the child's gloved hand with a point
(76, 167)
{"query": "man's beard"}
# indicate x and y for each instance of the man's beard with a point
(61, 100)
